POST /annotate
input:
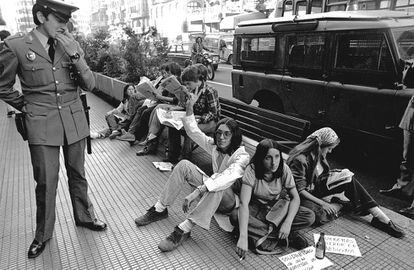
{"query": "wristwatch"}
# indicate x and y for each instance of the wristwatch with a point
(75, 56)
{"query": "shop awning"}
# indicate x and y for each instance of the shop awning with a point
(231, 22)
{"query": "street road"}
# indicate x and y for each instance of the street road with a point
(373, 172)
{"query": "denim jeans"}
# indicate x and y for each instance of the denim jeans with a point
(186, 173)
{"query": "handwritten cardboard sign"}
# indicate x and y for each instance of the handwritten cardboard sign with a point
(304, 260)
(340, 245)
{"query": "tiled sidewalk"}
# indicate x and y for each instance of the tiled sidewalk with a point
(123, 186)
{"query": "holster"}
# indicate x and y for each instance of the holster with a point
(21, 124)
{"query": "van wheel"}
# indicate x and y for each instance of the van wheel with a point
(270, 102)
(210, 72)
(230, 59)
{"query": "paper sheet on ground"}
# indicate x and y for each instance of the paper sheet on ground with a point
(340, 245)
(304, 259)
(171, 118)
(163, 166)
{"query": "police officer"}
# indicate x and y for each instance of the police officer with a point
(54, 114)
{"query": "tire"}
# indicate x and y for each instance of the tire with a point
(210, 70)
(230, 59)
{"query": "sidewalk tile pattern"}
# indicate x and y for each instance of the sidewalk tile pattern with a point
(123, 186)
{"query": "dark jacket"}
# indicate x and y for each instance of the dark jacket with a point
(303, 170)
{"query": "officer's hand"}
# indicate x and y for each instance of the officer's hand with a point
(68, 42)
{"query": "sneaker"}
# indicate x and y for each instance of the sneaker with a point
(114, 134)
(129, 137)
(297, 241)
(151, 216)
(173, 240)
(389, 228)
(143, 143)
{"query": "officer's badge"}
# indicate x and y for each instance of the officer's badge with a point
(31, 56)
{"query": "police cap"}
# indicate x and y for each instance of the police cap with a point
(60, 9)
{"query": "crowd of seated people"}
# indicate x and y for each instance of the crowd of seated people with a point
(145, 116)
(248, 190)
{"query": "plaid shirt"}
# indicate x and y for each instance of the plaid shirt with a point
(208, 106)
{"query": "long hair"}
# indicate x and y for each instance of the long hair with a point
(259, 155)
(126, 95)
(236, 135)
(310, 145)
(313, 144)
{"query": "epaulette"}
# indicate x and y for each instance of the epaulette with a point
(15, 36)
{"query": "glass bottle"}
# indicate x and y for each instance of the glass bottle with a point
(320, 247)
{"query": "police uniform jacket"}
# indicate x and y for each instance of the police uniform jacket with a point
(50, 95)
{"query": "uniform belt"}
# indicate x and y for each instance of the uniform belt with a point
(52, 99)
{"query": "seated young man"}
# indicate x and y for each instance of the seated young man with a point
(229, 160)
(206, 110)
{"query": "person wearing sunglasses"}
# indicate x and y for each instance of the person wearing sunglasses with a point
(229, 160)
(51, 68)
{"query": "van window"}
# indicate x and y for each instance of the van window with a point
(259, 50)
(405, 42)
(363, 52)
(287, 8)
(305, 52)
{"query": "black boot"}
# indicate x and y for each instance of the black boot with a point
(150, 148)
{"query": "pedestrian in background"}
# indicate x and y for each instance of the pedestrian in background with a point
(404, 186)
(54, 115)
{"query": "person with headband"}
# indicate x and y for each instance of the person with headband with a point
(51, 68)
(315, 180)
(229, 160)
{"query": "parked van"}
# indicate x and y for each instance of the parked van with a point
(341, 69)
(221, 44)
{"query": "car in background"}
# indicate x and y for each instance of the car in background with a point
(221, 44)
(181, 54)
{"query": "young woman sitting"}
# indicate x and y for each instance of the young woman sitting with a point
(229, 160)
(268, 179)
(314, 181)
(119, 117)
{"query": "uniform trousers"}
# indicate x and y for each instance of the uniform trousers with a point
(45, 162)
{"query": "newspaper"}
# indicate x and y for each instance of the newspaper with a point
(147, 89)
(172, 85)
(171, 118)
(338, 177)
(163, 166)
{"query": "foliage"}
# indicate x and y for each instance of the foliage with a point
(143, 55)
(139, 55)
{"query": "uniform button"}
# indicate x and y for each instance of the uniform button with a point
(53, 68)
(58, 94)
(60, 107)
(57, 82)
